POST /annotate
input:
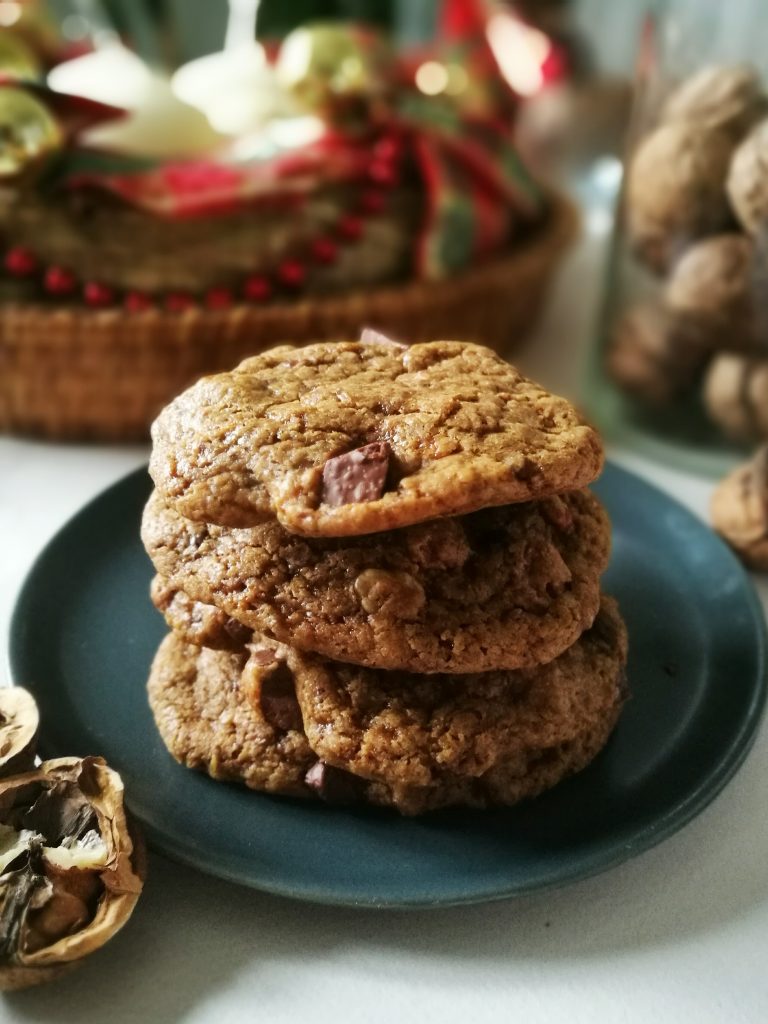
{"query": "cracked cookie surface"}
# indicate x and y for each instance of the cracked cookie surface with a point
(460, 429)
(502, 588)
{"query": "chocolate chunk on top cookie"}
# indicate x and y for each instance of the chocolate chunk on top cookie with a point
(354, 438)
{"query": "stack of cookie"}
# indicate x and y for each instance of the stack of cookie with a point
(382, 576)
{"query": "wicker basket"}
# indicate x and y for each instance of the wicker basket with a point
(74, 373)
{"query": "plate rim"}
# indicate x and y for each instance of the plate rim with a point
(673, 820)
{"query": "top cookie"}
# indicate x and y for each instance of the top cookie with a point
(339, 439)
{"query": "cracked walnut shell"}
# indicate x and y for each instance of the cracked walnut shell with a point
(19, 722)
(71, 870)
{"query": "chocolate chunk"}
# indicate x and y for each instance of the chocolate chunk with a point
(278, 700)
(237, 632)
(528, 470)
(263, 655)
(333, 785)
(558, 514)
(358, 475)
(371, 337)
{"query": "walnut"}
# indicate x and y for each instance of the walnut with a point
(439, 544)
(747, 182)
(648, 359)
(715, 297)
(739, 510)
(395, 593)
(736, 395)
(19, 722)
(676, 190)
(728, 96)
(71, 870)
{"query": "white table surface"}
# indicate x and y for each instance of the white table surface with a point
(679, 933)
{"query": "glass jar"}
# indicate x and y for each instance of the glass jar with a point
(683, 363)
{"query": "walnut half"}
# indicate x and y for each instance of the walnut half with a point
(71, 870)
(19, 722)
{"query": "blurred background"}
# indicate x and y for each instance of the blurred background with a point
(185, 182)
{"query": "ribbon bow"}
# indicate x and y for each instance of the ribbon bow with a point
(476, 190)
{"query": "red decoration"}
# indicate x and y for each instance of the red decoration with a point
(257, 288)
(462, 18)
(351, 227)
(291, 273)
(218, 298)
(135, 302)
(20, 262)
(59, 281)
(383, 173)
(390, 148)
(372, 201)
(177, 302)
(325, 250)
(96, 294)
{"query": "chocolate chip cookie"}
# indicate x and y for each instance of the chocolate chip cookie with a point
(200, 702)
(473, 741)
(420, 731)
(503, 588)
(201, 624)
(361, 437)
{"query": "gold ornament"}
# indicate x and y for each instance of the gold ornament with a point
(28, 131)
(324, 66)
(16, 59)
(34, 23)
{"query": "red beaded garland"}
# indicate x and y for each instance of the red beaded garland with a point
(351, 227)
(388, 148)
(177, 302)
(97, 294)
(372, 201)
(59, 281)
(383, 173)
(291, 274)
(20, 262)
(257, 288)
(218, 298)
(325, 250)
(135, 302)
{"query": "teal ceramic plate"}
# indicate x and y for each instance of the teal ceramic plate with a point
(84, 632)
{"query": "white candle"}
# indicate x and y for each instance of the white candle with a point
(158, 125)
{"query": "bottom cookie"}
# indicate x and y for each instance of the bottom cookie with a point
(206, 721)
(475, 741)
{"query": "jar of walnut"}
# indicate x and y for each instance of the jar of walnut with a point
(685, 326)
